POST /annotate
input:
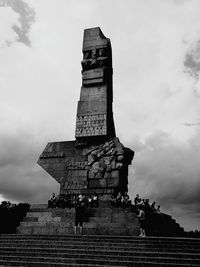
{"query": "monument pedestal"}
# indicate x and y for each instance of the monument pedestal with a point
(88, 168)
(104, 220)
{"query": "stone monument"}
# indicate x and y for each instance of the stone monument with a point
(96, 162)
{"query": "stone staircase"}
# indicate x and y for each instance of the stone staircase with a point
(104, 220)
(87, 250)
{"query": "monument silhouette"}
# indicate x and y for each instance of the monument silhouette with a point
(96, 162)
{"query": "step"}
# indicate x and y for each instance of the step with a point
(96, 250)
(59, 252)
(91, 259)
(50, 264)
(93, 243)
(105, 238)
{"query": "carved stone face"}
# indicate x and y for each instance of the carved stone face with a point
(87, 55)
(102, 52)
(94, 55)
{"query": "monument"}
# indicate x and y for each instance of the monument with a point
(96, 162)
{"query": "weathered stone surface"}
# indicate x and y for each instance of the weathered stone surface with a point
(96, 162)
(102, 220)
(96, 71)
(100, 166)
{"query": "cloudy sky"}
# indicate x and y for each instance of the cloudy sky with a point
(156, 61)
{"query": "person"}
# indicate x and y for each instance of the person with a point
(95, 201)
(140, 204)
(142, 222)
(79, 213)
(136, 200)
(119, 199)
(125, 200)
(89, 201)
(52, 201)
(158, 209)
(153, 209)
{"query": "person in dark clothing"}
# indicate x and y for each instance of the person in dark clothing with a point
(79, 213)
(142, 221)
(119, 199)
(95, 201)
(52, 201)
(136, 200)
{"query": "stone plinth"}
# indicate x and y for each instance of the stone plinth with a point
(104, 220)
(88, 169)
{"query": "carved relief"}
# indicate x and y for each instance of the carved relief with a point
(109, 160)
(94, 59)
(91, 125)
(47, 155)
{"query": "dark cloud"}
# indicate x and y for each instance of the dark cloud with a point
(191, 124)
(168, 171)
(21, 179)
(192, 61)
(26, 18)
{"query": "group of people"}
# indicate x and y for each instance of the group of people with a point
(121, 200)
(145, 211)
(65, 201)
(59, 201)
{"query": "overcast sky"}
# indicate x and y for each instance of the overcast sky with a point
(156, 62)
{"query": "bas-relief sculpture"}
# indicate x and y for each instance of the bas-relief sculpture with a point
(96, 162)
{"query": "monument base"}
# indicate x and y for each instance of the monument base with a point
(104, 220)
(88, 166)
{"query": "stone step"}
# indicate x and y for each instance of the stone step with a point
(22, 263)
(89, 229)
(77, 252)
(55, 264)
(103, 243)
(92, 259)
(111, 247)
(46, 250)
(104, 238)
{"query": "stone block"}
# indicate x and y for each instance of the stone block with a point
(52, 230)
(115, 174)
(93, 73)
(56, 219)
(40, 230)
(93, 93)
(92, 107)
(30, 219)
(112, 182)
(24, 230)
(94, 183)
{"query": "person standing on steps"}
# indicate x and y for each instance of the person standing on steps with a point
(142, 221)
(79, 213)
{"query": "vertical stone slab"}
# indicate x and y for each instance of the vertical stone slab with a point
(94, 112)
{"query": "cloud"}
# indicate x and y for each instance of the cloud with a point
(26, 17)
(20, 177)
(167, 170)
(8, 18)
(191, 124)
(192, 60)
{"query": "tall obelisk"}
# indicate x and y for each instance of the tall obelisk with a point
(94, 113)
